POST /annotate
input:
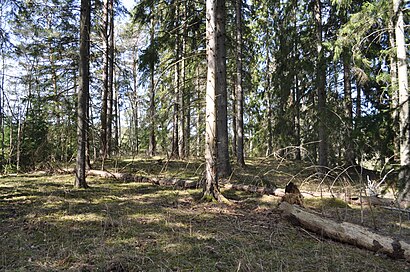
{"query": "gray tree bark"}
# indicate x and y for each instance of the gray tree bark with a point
(224, 165)
(83, 93)
(211, 187)
(240, 158)
(404, 126)
(105, 76)
(152, 145)
(321, 87)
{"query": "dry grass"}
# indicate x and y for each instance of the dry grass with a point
(46, 225)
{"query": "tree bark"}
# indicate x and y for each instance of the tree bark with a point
(199, 112)
(404, 117)
(223, 162)
(105, 76)
(136, 107)
(211, 187)
(3, 67)
(110, 102)
(240, 158)
(186, 113)
(85, 23)
(152, 145)
(176, 122)
(394, 90)
(346, 232)
(348, 104)
(321, 87)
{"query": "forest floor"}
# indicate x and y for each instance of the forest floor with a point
(47, 225)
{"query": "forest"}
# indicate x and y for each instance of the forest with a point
(166, 135)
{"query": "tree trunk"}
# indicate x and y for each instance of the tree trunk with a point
(298, 155)
(117, 121)
(224, 165)
(321, 88)
(105, 88)
(176, 123)
(152, 145)
(394, 91)
(348, 104)
(110, 102)
(185, 91)
(240, 158)
(181, 89)
(85, 22)
(3, 67)
(87, 136)
(135, 102)
(268, 97)
(199, 119)
(211, 188)
(234, 122)
(346, 232)
(297, 95)
(19, 139)
(404, 118)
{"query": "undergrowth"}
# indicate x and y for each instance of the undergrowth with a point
(47, 225)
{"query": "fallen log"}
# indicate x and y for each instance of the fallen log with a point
(254, 189)
(127, 177)
(346, 232)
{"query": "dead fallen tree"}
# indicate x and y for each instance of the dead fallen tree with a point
(127, 177)
(348, 198)
(254, 189)
(346, 232)
(186, 184)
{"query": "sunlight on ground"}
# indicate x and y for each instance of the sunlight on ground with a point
(83, 217)
(142, 227)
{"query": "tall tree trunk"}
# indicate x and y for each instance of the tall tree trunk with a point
(268, 97)
(211, 188)
(105, 79)
(110, 102)
(199, 114)
(117, 123)
(3, 67)
(404, 117)
(181, 84)
(176, 122)
(224, 165)
(234, 130)
(349, 155)
(175, 131)
(394, 90)
(321, 87)
(136, 107)
(152, 145)
(85, 21)
(298, 155)
(186, 112)
(296, 94)
(240, 157)
(87, 136)
(19, 139)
